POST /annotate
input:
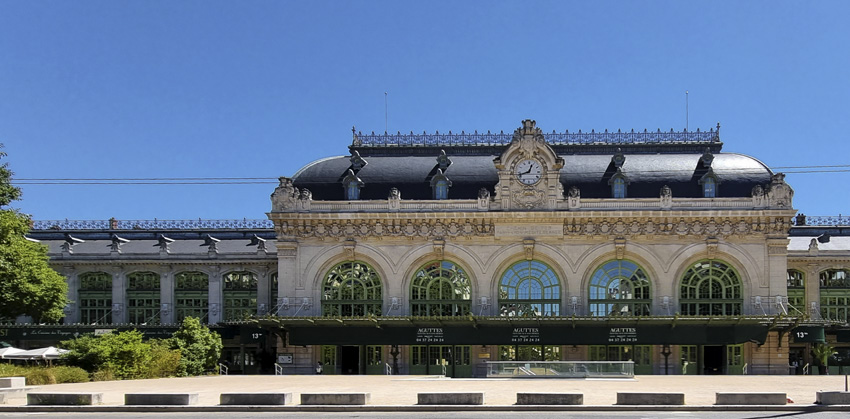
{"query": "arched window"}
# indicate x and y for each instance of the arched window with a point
(709, 187)
(529, 288)
(710, 288)
(618, 187)
(440, 185)
(352, 185)
(240, 295)
(440, 288)
(351, 289)
(95, 298)
(835, 294)
(620, 288)
(143, 298)
(796, 281)
(191, 296)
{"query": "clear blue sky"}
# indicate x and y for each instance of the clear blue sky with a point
(176, 89)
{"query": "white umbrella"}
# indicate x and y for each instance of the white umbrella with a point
(9, 351)
(47, 353)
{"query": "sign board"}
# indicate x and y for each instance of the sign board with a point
(540, 335)
(284, 358)
(808, 334)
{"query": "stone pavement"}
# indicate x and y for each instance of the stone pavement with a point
(401, 390)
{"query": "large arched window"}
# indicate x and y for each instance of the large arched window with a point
(240, 295)
(529, 288)
(620, 288)
(796, 281)
(95, 298)
(191, 296)
(835, 294)
(440, 288)
(143, 298)
(710, 288)
(351, 289)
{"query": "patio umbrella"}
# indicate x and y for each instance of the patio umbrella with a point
(48, 353)
(9, 351)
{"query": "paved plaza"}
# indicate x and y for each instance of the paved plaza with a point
(401, 390)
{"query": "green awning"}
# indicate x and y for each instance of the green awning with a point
(561, 331)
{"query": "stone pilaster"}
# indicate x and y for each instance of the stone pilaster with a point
(166, 296)
(215, 296)
(72, 310)
(119, 295)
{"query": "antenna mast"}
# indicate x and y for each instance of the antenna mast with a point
(386, 113)
(687, 113)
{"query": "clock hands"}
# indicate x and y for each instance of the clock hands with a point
(527, 171)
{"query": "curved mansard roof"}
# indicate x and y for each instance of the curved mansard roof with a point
(648, 166)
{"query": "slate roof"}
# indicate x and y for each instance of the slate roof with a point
(647, 173)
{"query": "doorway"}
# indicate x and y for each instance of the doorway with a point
(712, 359)
(349, 360)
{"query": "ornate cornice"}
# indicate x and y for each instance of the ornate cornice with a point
(565, 225)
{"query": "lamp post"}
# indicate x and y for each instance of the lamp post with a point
(665, 350)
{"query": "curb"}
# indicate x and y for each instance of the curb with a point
(430, 408)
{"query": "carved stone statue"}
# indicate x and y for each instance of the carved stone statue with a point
(574, 192)
(285, 195)
(306, 195)
(666, 197)
(779, 194)
(574, 197)
(483, 193)
(758, 196)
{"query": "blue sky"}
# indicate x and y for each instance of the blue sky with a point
(177, 89)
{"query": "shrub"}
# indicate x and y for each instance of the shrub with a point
(40, 376)
(11, 370)
(103, 375)
(70, 375)
(164, 360)
(199, 347)
(124, 354)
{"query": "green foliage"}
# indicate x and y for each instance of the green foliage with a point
(821, 352)
(38, 375)
(8, 193)
(28, 286)
(66, 374)
(199, 347)
(102, 375)
(124, 354)
(165, 361)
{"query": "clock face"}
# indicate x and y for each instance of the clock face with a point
(529, 171)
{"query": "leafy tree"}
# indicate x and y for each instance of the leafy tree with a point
(199, 347)
(124, 355)
(28, 286)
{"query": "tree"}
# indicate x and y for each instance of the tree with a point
(28, 286)
(821, 353)
(199, 347)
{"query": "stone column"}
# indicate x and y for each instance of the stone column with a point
(264, 305)
(215, 296)
(287, 273)
(119, 295)
(72, 310)
(777, 270)
(812, 289)
(166, 295)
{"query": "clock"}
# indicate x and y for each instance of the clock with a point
(529, 171)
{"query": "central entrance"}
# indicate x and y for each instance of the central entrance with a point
(712, 359)
(349, 359)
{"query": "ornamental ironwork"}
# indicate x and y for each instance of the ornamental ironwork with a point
(155, 224)
(821, 220)
(476, 139)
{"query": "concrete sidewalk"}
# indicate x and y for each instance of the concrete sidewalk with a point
(401, 390)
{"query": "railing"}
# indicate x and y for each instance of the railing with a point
(744, 368)
(388, 369)
(685, 367)
(155, 224)
(278, 369)
(222, 369)
(560, 369)
(821, 220)
(806, 368)
(472, 139)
